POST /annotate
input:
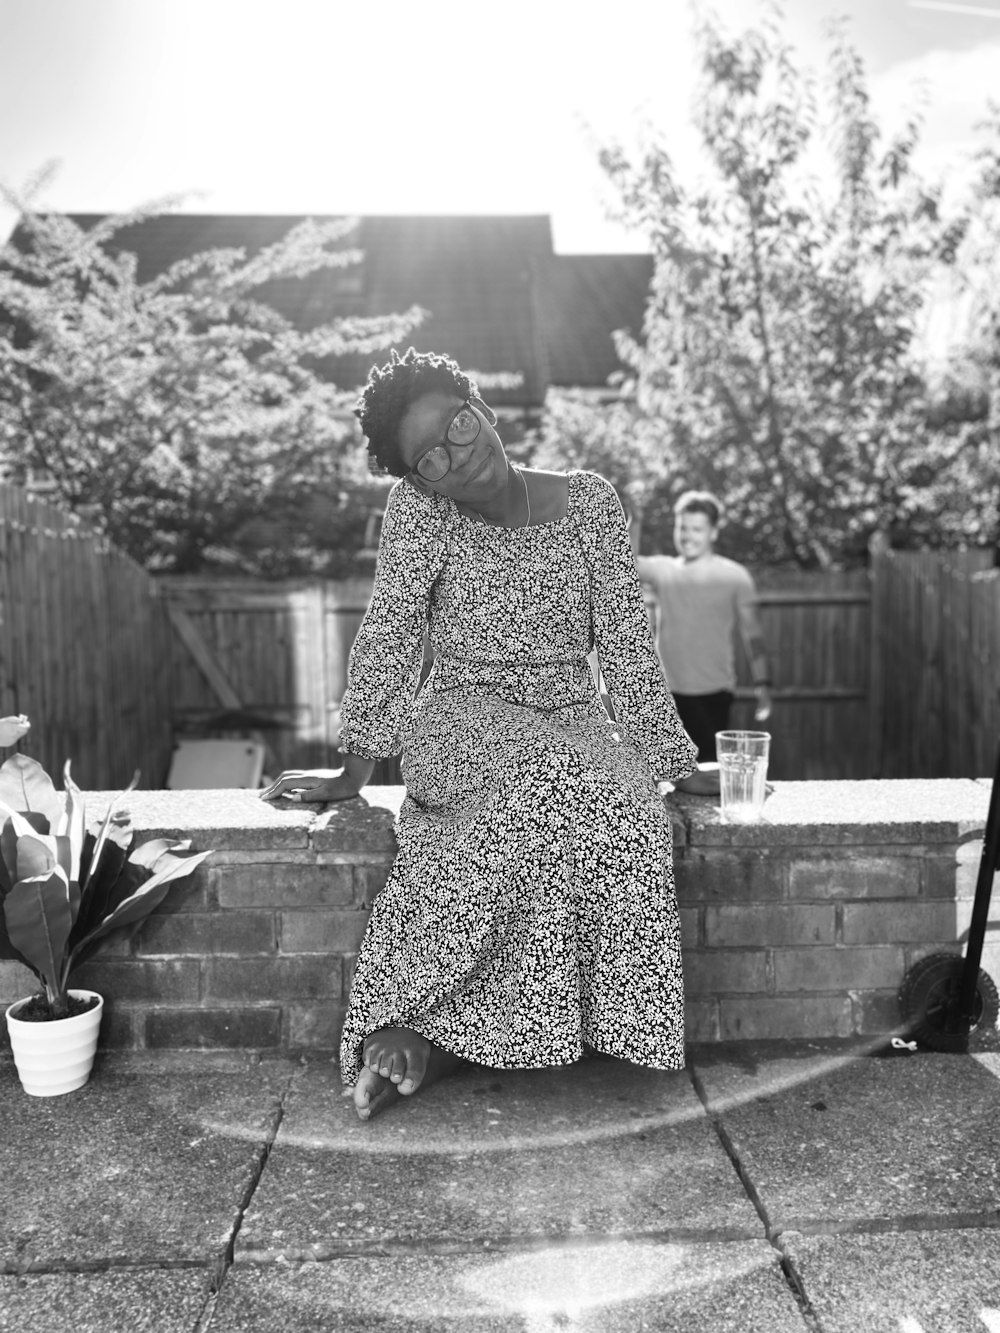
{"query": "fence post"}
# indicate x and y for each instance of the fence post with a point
(878, 547)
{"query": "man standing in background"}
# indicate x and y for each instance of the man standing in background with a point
(701, 600)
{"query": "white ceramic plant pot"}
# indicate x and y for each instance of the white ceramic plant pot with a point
(55, 1057)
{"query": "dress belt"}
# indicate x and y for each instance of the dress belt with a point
(565, 677)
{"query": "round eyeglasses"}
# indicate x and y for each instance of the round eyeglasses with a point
(462, 431)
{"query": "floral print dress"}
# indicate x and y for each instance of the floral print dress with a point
(530, 909)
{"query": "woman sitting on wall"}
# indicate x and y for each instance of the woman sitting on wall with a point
(529, 916)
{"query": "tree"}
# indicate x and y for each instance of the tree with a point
(610, 438)
(970, 398)
(779, 355)
(181, 415)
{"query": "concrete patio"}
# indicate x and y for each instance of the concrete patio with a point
(824, 1186)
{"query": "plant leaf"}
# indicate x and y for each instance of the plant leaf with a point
(25, 785)
(148, 853)
(33, 818)
(74, 823)
(64, 855)
(7, 949)
(16, 826)
(108, 886)
(13, 728)
(106, 831)
(8, 855)
(170, 867)
(139, 904)
(36, 855)
(118, 879)
(25, 821)
(38, 918)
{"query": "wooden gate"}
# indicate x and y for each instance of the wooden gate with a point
(267, 658)
(272, 658)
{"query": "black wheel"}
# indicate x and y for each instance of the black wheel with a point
(929, 1003)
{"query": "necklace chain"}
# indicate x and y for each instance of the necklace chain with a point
(527, 501)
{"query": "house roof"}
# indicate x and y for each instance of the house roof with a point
(582, 300)
(474, 277)
(498, 299)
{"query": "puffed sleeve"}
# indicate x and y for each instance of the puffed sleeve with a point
(644, 707)
(384, 666)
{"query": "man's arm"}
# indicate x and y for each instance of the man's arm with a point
(645, 565)
(753, 640)
(634, 531)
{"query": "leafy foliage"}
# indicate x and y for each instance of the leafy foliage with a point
(612, 439)
(182, 415)
(780, 361)
(65, 888)
(970, 402)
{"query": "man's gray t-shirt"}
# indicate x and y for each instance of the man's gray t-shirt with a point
(700, 603)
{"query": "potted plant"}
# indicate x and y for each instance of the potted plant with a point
(65, 888)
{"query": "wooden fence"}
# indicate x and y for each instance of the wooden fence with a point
(935, 677)
(277, 653)
(891, 672)
(84, 649)
(817, 630)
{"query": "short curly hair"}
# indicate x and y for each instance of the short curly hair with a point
(700, 502)
(391, 389)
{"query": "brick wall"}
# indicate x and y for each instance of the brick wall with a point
(801, 926)
(255, 950)
(805, 925)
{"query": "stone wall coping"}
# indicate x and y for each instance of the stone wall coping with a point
(838, 813)
(800, 926)
(796, 813)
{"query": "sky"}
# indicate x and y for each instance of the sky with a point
(391, 106)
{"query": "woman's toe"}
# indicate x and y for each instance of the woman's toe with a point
(398, 1067)
(364, 1090)
(416, 1067)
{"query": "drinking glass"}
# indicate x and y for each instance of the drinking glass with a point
(742, 757)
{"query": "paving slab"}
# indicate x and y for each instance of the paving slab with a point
(595, 1148)
(908, 1282)
(116, 1301)
(609, 1287)
(830, 1140)
(148, 1163)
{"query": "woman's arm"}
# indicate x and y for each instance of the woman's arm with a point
(703, 783)
(644, 707)
(387, 653)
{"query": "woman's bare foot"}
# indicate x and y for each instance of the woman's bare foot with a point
(397, 1061)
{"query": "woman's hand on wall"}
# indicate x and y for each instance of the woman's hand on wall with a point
(705, 782)
(318, 785)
